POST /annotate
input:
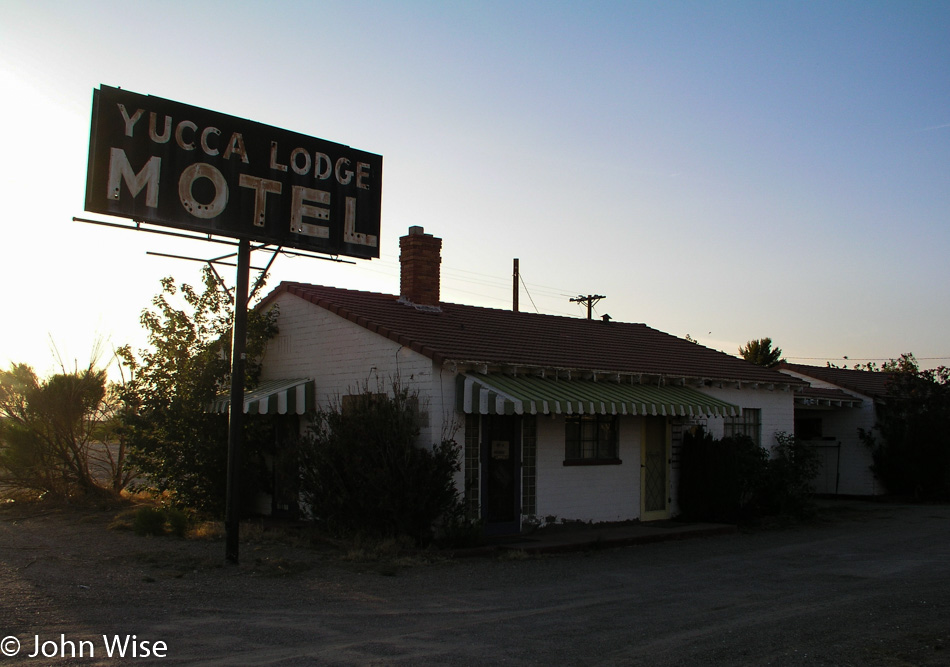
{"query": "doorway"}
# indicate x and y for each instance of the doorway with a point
(501, 474)
(655, 470)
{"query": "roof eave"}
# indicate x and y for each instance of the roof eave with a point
(665, 379)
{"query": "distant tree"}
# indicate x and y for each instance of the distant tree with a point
(871, 367)
(910, 445)
(177, 443)
(58, 435)
(761, 353)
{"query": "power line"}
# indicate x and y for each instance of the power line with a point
(589, 300)
(833, 356)
(521, 278)
(389, 264)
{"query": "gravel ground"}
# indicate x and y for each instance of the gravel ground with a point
(867, 584)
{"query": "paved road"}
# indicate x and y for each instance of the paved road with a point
(868, 585)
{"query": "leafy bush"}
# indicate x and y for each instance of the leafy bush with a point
(733, 479)
(721, 479)
(149, 521)
(459, 532)
(791, 469)
(911, 446)
(155, 521)
(176, 444)
(177, 521)
(363, 473)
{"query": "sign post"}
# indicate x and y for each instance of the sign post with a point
(170, 164)
(232, 512)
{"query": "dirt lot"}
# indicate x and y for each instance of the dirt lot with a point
(868, 584)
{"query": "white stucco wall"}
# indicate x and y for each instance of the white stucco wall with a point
(854, 466)
(588, 493)
(342, 358)
(842, 424)
(777, 410)
(612, 492)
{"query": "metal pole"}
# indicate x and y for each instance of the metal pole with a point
(236, 407)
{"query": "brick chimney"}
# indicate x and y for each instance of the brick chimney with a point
(420, 258)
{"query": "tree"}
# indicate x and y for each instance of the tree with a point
(761, 353)
(59, 435)
(911, 443)
(179, 446)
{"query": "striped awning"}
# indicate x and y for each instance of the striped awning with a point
(273, 397)
(496, 394)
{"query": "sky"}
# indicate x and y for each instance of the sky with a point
(727, 170)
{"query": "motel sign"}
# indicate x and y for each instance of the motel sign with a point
(170, 164)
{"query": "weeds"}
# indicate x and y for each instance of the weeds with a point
(153, 521)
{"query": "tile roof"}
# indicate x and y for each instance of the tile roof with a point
(474, 335)
(869, 383)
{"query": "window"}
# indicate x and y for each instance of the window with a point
(472, 463)
(750, 424)
(808, 428)
(590, 439)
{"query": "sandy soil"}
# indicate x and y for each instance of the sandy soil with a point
(869, 584)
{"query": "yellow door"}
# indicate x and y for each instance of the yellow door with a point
(655, 469)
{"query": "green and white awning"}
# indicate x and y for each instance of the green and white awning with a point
(273, 397)
(496, 394)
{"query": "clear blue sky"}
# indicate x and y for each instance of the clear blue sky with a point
(728, 170)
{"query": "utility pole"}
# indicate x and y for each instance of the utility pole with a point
(590, 300)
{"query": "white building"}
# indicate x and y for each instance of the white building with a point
(557, 417)
(828, 415)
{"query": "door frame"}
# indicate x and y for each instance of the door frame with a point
(665, 513)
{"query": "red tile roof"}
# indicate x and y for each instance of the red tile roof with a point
(473, 335)
(869, 383)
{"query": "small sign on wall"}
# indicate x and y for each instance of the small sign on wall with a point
(500, 449)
